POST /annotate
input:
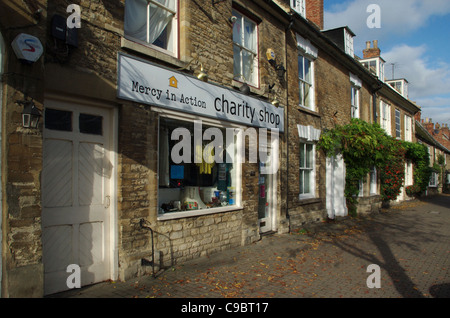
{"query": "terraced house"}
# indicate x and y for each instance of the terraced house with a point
(157, 131)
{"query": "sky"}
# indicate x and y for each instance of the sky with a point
(414, 38)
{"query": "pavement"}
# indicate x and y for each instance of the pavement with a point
(409, 244)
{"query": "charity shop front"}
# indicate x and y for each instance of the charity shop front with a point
(198, 166)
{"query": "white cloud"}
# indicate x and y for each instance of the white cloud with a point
(429, 79)
(429, 83)
(397, 17)
(425, 78)
(437, 108)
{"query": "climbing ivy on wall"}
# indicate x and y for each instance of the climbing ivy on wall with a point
(363, 146)
(418, 154)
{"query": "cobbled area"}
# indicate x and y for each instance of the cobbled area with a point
(410, 243)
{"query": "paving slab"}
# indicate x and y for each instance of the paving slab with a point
(408, 243)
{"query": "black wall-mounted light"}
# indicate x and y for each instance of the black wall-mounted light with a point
(280, 71)
(30, 114)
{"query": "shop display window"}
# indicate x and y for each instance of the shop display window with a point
(197, 184)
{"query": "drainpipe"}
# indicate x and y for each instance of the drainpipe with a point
(374, 101)
(291, 22)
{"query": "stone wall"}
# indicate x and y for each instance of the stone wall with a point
(21, 156)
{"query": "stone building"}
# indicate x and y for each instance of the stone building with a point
(393, 110)
(438, 152)
(96, 184)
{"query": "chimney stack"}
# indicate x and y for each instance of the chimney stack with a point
(371, 52)
(314, 12)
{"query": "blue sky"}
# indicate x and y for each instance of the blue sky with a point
(414, 36)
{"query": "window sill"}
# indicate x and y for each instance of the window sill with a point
(149, 51)
(187, 214)
(308, 199)
(308, 110)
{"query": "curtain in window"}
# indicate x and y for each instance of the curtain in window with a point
(135, 24)
(138, 13)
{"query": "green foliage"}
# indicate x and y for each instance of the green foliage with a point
(363, 146)
(418, 154)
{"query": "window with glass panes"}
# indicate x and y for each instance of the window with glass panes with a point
(245, 49)
(306, 169)
(355, 101)
(152, 22)
(398, 129)
(305, 77)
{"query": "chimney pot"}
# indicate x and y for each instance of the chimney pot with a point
(375, 44)
(367, 44)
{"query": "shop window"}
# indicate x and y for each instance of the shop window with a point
(202, 180)
(152, 22)
(245, 49)
(307, 170)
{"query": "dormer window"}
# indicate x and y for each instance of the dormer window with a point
(299, 7)
(343, 38)
(349, 42)
(400, 85)
(375, 66)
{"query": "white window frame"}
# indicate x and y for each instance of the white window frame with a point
(174, 29)
(408, 128)
(311, 170)
(433, 179)
(409, 180)
(373, 181)
(349, 46)
(354, 91)
(299, 6)
(385, 117)
(398, 124)
(303, 83)
(254, 80)
(379, 66)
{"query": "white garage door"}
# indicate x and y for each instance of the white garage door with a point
(76, 194)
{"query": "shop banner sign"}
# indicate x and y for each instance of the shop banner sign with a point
(146, 83)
